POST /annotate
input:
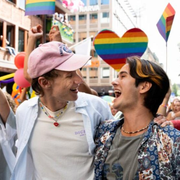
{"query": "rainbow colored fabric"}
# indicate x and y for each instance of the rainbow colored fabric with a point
(165, 22)
(38, 7)
(114, 50)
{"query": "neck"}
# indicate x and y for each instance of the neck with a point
(136, 120)
(53, 105)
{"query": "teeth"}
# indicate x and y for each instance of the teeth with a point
(117, 91)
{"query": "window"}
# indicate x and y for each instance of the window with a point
(93, 73)
(105, 17)
(10, 36)
(21, 4)
(104, 1)
(21, 41)
(84, 73)
(93, 16)
(105, 72)
(93, 2)
(71, 18)
(82, 17)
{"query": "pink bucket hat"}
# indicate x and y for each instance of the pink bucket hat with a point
(54, 55)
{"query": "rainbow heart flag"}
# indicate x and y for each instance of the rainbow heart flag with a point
(38, 7)
(114, 50)
(165, 22)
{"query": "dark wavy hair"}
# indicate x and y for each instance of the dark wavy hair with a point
(144, 70)
(49, 76)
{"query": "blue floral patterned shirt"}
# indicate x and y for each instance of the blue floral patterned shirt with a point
(158, 155)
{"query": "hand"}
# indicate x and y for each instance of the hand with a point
(166, 123)
(54, 34)
(36, 32)
(160, 120)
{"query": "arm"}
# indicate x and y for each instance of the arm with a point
(84, 87)
(54, 34)
(162, 108)
(4, 107)
(34, 34)
(23, 95)
(175, 115)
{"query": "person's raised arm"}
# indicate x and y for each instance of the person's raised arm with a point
(4, 107)
(54, 34)
(162, 110)
(84, 87)
(34, 34)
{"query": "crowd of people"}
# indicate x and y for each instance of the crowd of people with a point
(67, 132)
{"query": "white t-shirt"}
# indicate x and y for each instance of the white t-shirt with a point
(61, 153)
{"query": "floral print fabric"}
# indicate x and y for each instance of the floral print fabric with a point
(158, 156)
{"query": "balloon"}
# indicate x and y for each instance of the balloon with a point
(15, 87)
(6, 76)
(19, 60)
(7, 81)
(20, 80)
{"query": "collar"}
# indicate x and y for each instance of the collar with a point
(80, 102)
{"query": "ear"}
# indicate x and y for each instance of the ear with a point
(44, 83)
(145, 87)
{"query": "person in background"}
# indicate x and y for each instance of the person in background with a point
(10, 49)
(162, 110)
(175, 113)
(136, 147)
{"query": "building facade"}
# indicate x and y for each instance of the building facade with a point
(14, 27)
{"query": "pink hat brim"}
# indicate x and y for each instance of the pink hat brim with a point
(76, 61)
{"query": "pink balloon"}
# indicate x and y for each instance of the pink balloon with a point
(20, 80)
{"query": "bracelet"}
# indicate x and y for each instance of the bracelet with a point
(164, 105)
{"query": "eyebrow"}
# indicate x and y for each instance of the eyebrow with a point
(123, 72)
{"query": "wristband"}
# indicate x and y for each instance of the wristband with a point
(164, 105)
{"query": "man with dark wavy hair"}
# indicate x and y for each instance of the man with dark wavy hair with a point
(135, 147)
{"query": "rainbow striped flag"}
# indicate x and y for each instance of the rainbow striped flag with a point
(114, 50)
(37, 7)
(165, 22)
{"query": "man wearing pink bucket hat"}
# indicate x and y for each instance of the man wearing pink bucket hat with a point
(56, 128)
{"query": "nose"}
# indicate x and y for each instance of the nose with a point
(115, 82)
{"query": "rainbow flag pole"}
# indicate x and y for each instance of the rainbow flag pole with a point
(165, 23)
(39, 7)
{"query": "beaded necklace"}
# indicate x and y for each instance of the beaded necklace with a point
(134, 132)
(56, 117)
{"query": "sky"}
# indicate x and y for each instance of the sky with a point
(149, 12)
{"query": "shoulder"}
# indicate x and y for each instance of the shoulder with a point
(27, 104)
(172, 132)
(109, 125)
(90, 98)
